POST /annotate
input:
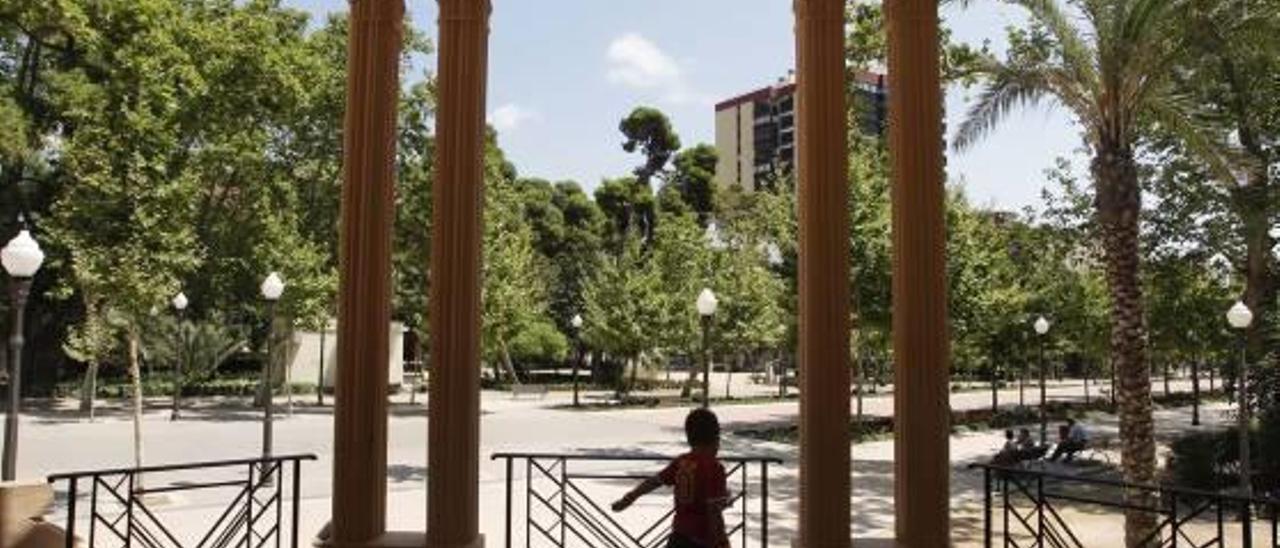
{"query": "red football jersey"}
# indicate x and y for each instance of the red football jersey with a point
(698, 480)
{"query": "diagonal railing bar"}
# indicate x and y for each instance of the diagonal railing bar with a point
(222, 522)
(664, 520)
(150, 516)
(228, 531)
(271, 534)
(592, 525)
(598, 511)
(1059, 527)
(546, 533)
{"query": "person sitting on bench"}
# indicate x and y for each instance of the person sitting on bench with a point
(1009, 452)
(1072, 439)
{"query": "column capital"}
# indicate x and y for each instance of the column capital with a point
(819, 9)
(464, 10)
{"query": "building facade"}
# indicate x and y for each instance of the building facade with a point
(756, 131)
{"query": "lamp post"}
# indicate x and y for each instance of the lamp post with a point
(1240, 317)
(1042, 328)
(180, 306)
(707, 304)
(1195, 382)
(21, 258)
(577, 340)
(271, 289)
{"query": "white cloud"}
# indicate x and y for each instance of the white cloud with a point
(636, 62)
(510, 117)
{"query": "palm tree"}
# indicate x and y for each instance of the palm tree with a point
(1108, 63)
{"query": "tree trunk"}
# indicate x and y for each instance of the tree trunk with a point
(1119, 202)
(1252, 204)
(687, 390)
(507, 365)
(89, 391)
(135, 377)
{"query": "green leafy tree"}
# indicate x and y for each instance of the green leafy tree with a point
(694, 180)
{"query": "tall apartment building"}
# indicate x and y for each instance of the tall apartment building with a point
(756, 131)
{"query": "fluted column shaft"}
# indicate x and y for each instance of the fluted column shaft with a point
(454, 423)
(364, 293)
(822, 170)
(920, 333)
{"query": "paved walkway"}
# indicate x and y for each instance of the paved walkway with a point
(58, 441)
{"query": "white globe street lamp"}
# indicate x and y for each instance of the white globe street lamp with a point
(272, 287)
(21, 258)
(576, 322)
(179, 303)
(707, 304)
(1240, 318)
(1041, 327)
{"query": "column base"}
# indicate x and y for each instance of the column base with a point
(392, 539)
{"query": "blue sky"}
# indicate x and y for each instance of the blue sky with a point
(564, 72)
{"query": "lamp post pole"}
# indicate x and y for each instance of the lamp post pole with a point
(1042, 328)
(706, 305)
(577, 361)
(706, 361)
(21, 259)
(20, 288)
(179, 365)
(268, 413)
(1195, 385)
(272, 287)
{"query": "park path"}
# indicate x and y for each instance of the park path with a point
(60, 441)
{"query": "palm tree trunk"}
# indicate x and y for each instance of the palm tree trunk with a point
(1119, 202)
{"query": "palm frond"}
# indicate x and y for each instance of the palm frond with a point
(1073, 48)
(1008, 88)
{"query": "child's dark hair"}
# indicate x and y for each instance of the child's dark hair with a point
(1008, 434)
(701, 427)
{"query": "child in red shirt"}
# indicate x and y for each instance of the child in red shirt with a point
(698, 482)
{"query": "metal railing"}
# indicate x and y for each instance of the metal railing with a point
(1032, 504)
(560, 510)
(248, 494)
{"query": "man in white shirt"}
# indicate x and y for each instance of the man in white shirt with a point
(1073, 440)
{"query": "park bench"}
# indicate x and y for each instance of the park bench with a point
(539, 390)
(22, 507)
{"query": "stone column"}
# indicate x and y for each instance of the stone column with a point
(824, 274)
(454, 424)
(920, 333)
(364, 293)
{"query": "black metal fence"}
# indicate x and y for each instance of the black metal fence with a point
(1038, 508)
(247, 497)
(565, 502)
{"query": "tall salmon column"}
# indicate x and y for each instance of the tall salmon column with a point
(454, 414)
(920, 333)
(364, 293)
(824, 275)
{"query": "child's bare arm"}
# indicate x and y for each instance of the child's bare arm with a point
(645, 487)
